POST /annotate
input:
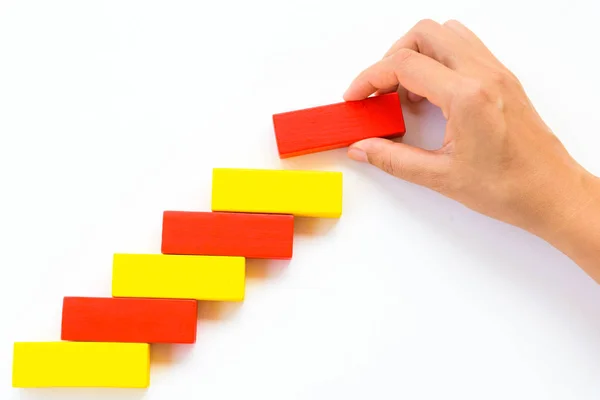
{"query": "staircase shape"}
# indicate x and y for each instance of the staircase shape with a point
(105, 342)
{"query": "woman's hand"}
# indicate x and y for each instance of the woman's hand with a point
(498, 157)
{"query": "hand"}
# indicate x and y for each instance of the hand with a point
(498, 157)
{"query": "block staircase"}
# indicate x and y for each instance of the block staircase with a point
(105, 342)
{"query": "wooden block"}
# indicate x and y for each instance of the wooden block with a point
(80, 364)
(98, 319)
(300, 193)
(179, 277)
(228, 234)
(337, 125)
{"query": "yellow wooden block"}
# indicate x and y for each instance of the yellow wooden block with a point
(301, 193)
(179, 277)
(81, 364)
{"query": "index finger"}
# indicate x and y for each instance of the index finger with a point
(414, 71)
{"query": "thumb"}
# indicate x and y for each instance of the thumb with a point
(406, 162)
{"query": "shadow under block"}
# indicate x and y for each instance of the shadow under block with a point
(179, 277)
(337, 125)
(79, 364)
(300, 193)
(102, 319)
(228, 234)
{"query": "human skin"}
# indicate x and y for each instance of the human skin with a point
(498, 157)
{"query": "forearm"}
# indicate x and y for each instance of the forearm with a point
(576, 227)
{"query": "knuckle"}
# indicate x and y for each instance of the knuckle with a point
(365, 72)
(425, 24)
(422, 176)
(487, 89)
(422, 29)
(452, 22)
(419, 35)
(390, 164)
(364, 76)
(500, 79)
(403, 56)
(476, 92)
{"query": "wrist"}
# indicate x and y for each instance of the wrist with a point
(572, 222)
(554, 199)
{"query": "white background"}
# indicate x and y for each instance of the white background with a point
(112, 111)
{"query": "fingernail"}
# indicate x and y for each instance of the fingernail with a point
(357, 154)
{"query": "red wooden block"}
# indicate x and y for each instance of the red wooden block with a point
(337, 125)
(105, 319)
(228, 234)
